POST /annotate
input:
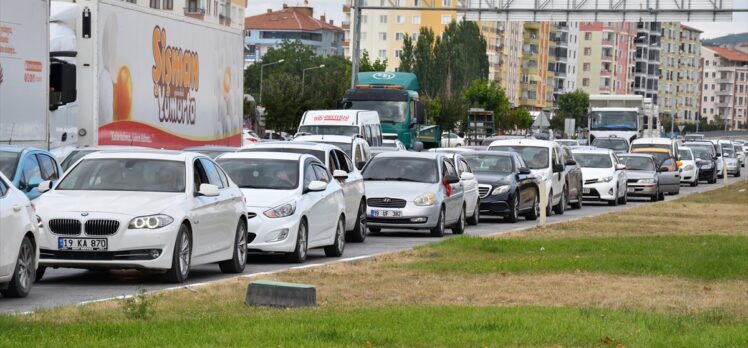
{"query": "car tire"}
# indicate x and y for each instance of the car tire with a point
(40, 273)
(655, 197)
(475, 219)
(459, 226)
(358, 235)
(561, 206)
(302, 244)
(514, 210)
(338, 246)
(181, 258)
(695, 183)
(438, 230)
(549, 205)
(615, 200)
(23, 275)
(534, 212)
(737, 175)
(662, 196)
(580, 198)
(239, 257)
(624, 200)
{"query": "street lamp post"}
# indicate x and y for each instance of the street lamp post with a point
(262, 67)
(303, 73)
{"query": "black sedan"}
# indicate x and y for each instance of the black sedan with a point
(506, 186)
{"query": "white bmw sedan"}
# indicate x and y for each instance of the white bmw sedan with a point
(18, 234)
(158, 210)
(293, 202)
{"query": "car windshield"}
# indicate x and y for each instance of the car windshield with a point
(117, 174)
(269, 174)
(613, 144)
(652, 146)
(727, 152)
(316, 153)
(74, 157)
(346, 147)
(402, 169)
(329, 130)
(8, 163)
(685, 155)
(593, 160)
(389, 111)
(660, 157)
(391, 144)
(701, 153)
(494, 164)
(637, 163)
(568, 142)
(614, 120)
(536, 157)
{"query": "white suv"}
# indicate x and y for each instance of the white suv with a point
(19, 253)
(342, 168)
(544, 159)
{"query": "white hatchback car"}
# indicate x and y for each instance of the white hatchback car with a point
(604, 176)
(338, 163)
(689, 169)
(19, 253)
(160, 210)
(293, 203)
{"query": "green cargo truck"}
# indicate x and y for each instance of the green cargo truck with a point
(395, 97)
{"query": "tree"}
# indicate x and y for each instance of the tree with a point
(365, 64)
(424, 63)
(522, 119)
(571, 105)
(407, 58)
(282, 102)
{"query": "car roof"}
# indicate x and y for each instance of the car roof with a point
(653, 141)
(593, 150)
(290, 145)
(169, 155)
(630, 154)
(525, 142)
(410, 154)
(211, 147)
(110, 147)
(489, 152)
(651, 149)
(288, 156)
(330, 138)
(17, 148)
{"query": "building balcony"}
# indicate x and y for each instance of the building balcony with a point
(724, 92)
(607, 43)
(604, 89)
(606, 58)
(605, 73)
(346, 25)
(724, 104)
(724, 81)
(194, 12)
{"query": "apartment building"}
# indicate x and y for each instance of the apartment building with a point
(383, 31)
(680, 72)
(647, 60)
(724, 88)
(538, 61)
(566, 38)
(493, 32)
(511, 61)
(265, 31)
(223, 12)
(606, 52)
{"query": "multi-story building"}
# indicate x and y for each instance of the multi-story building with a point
(265, 31)
(606, 52)
(538, 62)
(680, 73)
(511, 61)
(493, 32)
(724, 87)
(566, 37)
(647, 59)
(223, 12)
(383, 31)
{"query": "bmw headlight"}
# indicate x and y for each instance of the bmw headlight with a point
(605, 179)
(150, 222)
(499, 190)
(689, 167)
(282, 210)
(425, 199)
(646, 181)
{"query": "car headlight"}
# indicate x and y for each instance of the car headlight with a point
(150, 222)
(425, 199)
(282, 210)
(605, 179)
(499, 190)
(689, 167)
(646, 181)
(706, 165)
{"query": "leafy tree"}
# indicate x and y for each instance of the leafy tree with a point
(571, 105)
(365, 64)
(522, 119)
(407, 57)
(295, 55)
(424, 63)
(282, 102)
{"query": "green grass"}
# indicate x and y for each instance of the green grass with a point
(392, 327)
(697, 257)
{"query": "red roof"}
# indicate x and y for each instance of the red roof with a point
(730, 54)
(289, 18)
(683, 26)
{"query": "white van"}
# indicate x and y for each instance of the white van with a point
(356, 148)
(343, 122)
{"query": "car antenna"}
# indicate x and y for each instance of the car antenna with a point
(12, 128)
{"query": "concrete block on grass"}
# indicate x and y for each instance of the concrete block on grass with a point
(280, 294)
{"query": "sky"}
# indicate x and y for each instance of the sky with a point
(333, 9)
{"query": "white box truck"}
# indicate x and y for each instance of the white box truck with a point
(24, 72)
(623, 116)
(123, 74)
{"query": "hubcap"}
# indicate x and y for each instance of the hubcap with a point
(340, 237)
(241, 247)
(25, 265)
(515, 211)
(537, 206)
(184, 254)
(442, 221)
(302, 241)
(362, 221)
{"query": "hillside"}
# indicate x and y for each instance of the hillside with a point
(727, 40)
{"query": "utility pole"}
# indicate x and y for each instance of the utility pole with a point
(262, 67)
(303, 75)
(355, 36)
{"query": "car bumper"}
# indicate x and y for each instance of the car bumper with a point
(706, 174)
(136, 248)
(733, 168)
(636, 189)
(497, 205)
(267, 235)
(412, 217)
(689, 176)
(599, 191)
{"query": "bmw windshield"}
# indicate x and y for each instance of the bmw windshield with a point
(116, 174)
(614, 120)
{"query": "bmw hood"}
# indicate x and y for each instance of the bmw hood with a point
(111, 202)
(261, 198)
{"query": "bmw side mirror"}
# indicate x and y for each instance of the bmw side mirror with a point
(525, 171)
(316, 186)
(44, 186)
(208, 190)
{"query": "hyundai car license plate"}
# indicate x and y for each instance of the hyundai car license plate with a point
(585, 190)
(386, 213)
(92, 244)
(631, 189)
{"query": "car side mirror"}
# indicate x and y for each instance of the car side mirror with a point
(340, 174)
(208, 190)
(558, 168)
(452, 179)
(571, 162)
(316, 186)
(44, 186)
(360, 165)
(467, 176)
(33, 183)
(620, 166)
(718, 155)
(525, 171)
(663, 169)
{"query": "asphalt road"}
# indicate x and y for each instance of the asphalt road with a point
(72, 286)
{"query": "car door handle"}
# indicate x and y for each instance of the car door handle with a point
(16, 208)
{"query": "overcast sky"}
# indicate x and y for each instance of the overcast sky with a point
(333, 9)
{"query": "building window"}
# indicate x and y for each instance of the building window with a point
(363, 36)
(398, 53)
(447, 3)
(400, 19)
(586, 67)
(446, 19)
(383, 19)
(399, 36)
(585, 82)
(707, 63)
(156, 4)
(705, 99)
(417, 20)
(383, 54)
(382, 36)
(364, 19)
(414, 36)
(704, 110)
(587, 51)
(588, 36)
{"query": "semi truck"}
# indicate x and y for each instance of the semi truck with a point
(624, 116)
(123, 74)
(394, 95)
